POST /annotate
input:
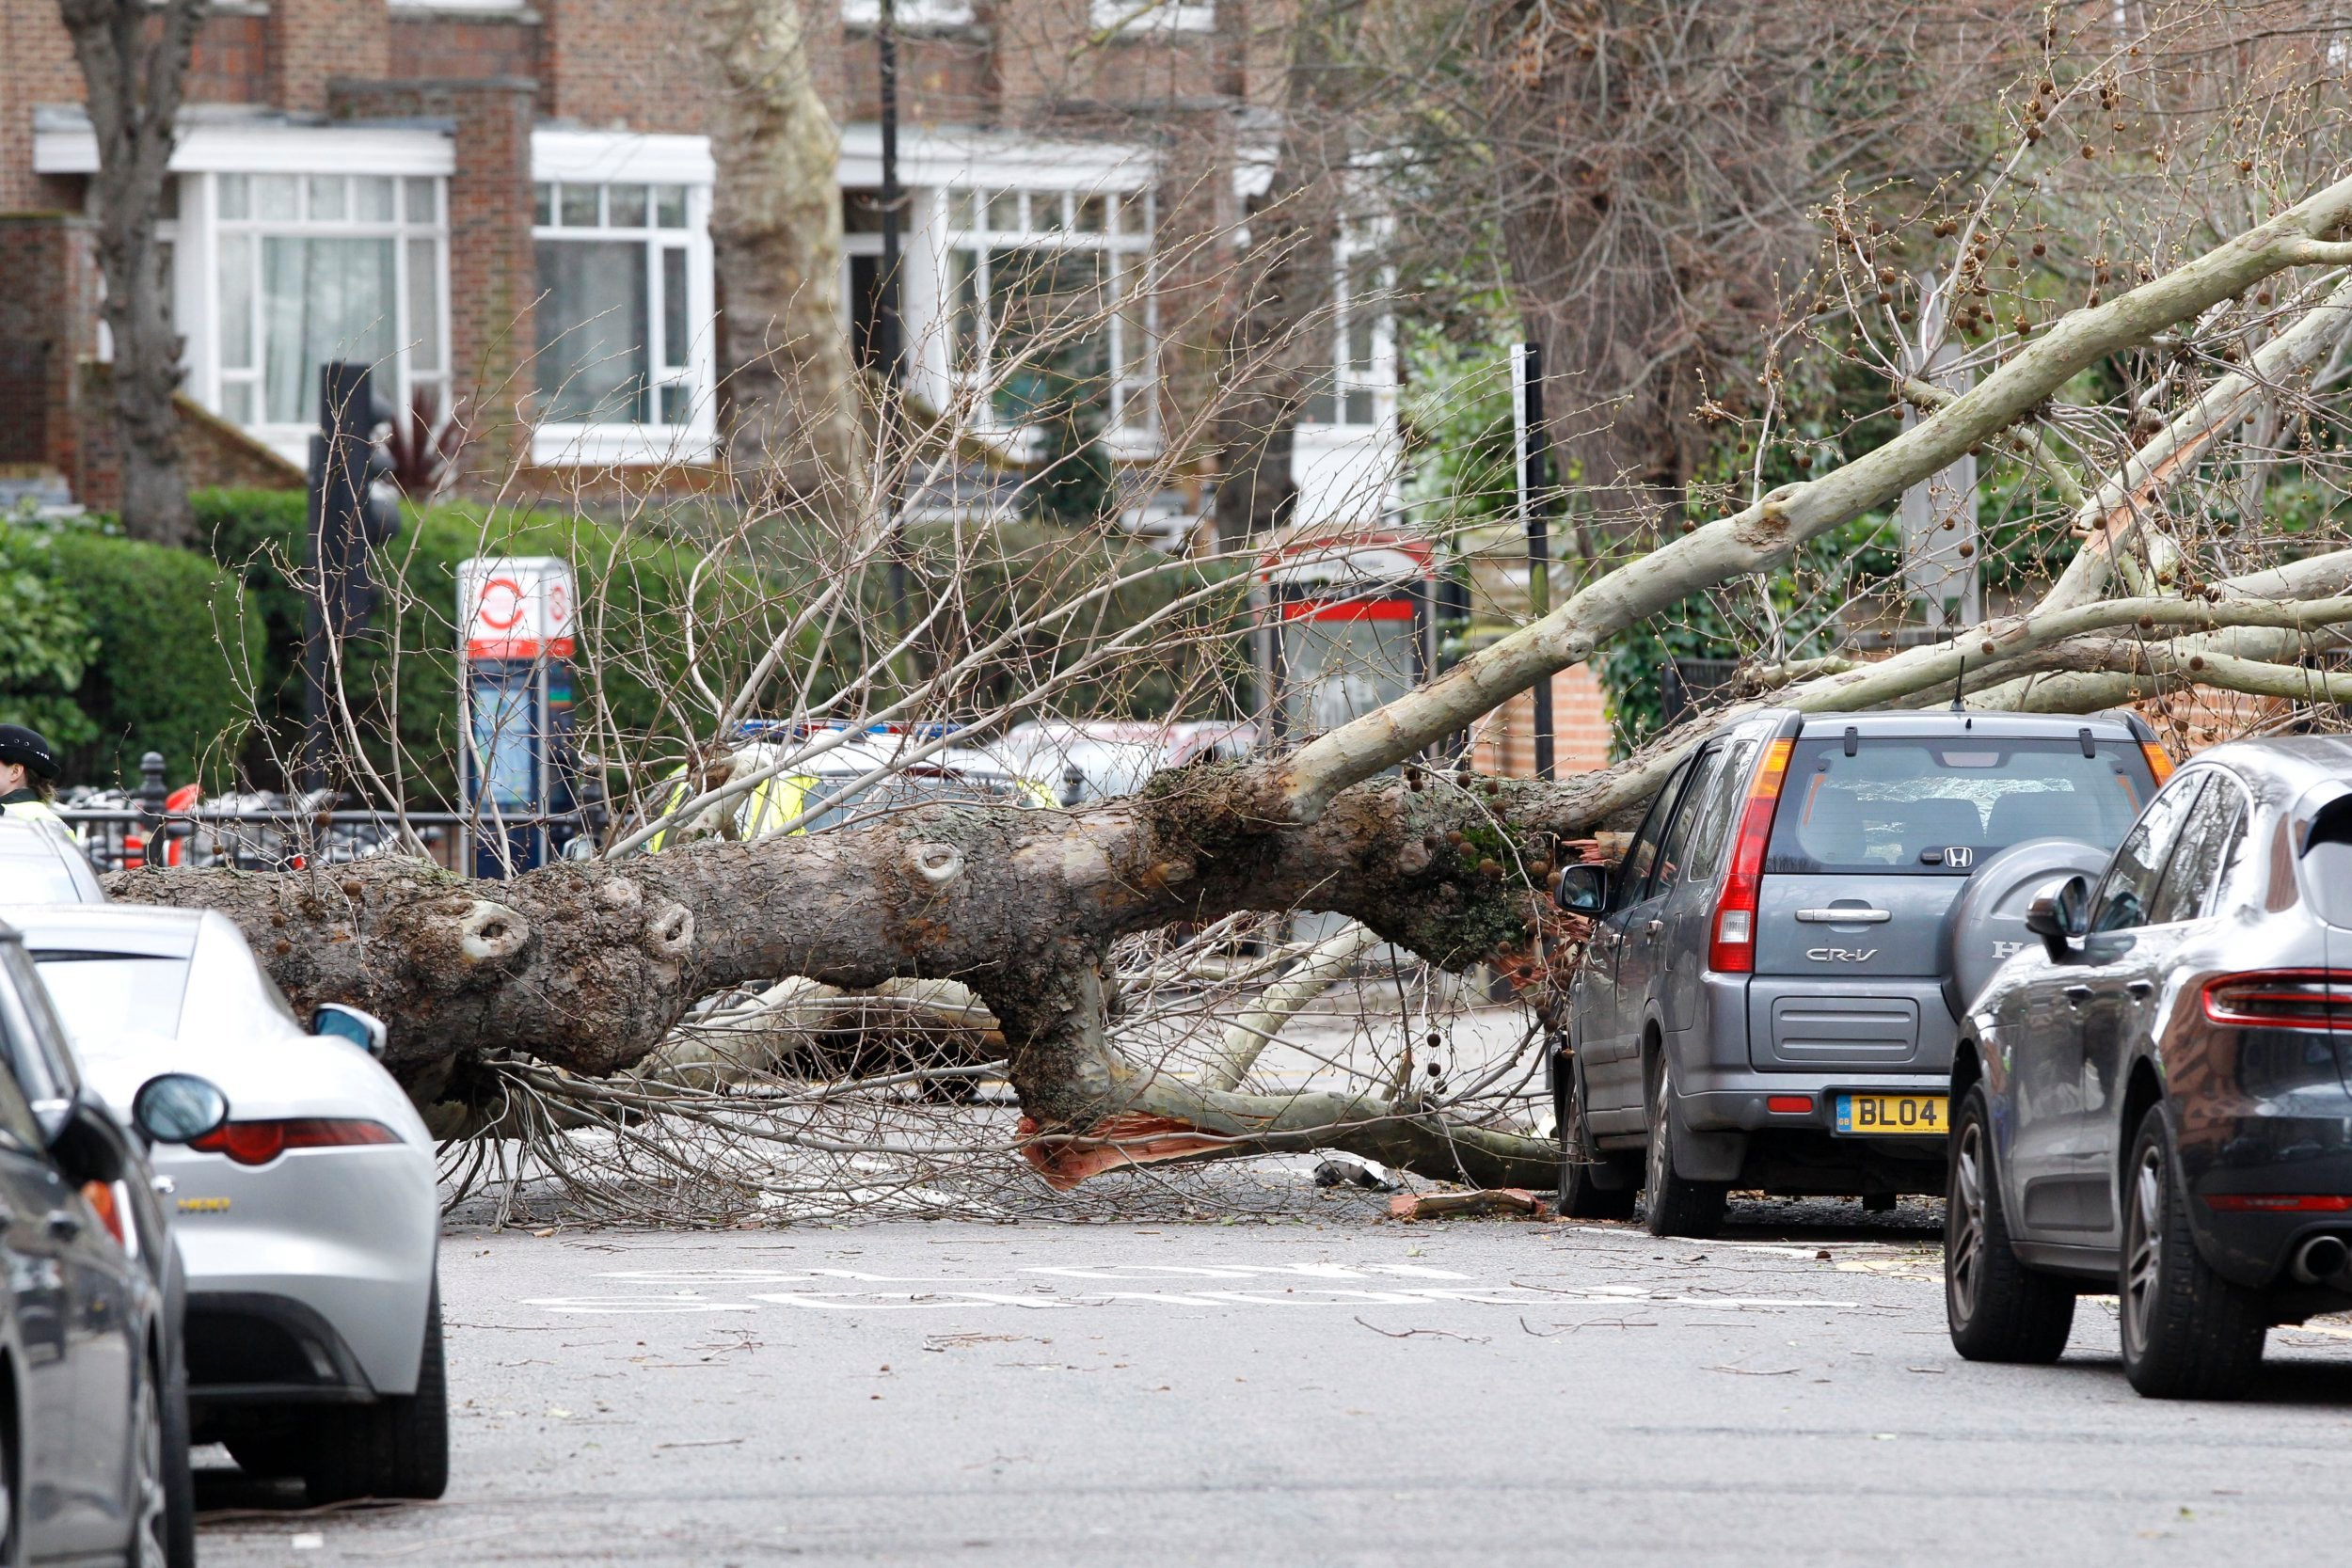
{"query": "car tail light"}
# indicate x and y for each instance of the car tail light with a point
(257, 1143)
(2278, 1203)
(2158, 764)
(1789, 1104)
(2281, 999)
(99, 1196)
(1731, 935)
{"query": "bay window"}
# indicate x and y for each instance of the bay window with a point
(623, 366)
(1357, 388)
(304, 268)
(1048, 302)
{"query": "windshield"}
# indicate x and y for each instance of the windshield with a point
(895, 793)
(1940, 806)
(101, 996)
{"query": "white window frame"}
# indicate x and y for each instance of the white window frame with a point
(1142, 17)
(197, 239)
(605, 160)
(913, 15)
(1373, 380)
(1131, 422)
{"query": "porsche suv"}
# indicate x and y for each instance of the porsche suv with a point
(2154, 1096)
(1767, 999)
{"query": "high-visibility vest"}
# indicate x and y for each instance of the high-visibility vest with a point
(41, 811)
(773, 802)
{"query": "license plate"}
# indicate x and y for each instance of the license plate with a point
(1881, 1115)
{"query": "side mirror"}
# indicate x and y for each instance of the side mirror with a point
(362, 1029)
(2057, 916)
(1583, 889)
(178, 1108)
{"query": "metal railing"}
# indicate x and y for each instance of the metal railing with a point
(281, 832)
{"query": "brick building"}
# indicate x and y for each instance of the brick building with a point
(507, 206)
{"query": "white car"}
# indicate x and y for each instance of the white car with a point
(309, 1225)
(40, 864)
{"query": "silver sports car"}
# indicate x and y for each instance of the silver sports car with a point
(309, 1224)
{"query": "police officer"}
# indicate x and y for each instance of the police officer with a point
(28, 775)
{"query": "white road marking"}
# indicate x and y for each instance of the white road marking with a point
(1193, 1285)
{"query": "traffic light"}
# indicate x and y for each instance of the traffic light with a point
(351, 511)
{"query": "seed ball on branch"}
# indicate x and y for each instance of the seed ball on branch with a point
(1490, 869)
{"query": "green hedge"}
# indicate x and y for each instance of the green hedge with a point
(113, 648)
(631, 590)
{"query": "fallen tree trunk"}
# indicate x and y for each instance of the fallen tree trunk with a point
(590, 966)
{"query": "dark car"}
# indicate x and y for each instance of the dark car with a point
(1765, 999)
(93, 1394)
(2155, 1098)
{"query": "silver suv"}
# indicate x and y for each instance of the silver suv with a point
(1765, 999)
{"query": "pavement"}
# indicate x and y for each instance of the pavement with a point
(1319, 1388)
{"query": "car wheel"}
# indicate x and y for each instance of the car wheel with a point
(2189, 1334)
(397, 1447)
(1581, 1196)
(10, 1553)
(163, 1501)
(1997, 1308)
(1674, 1205)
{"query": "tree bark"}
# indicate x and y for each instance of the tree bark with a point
(1281, 335)
(134, 56)
(791, 422)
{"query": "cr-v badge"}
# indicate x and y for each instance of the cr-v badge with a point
(1841, 955)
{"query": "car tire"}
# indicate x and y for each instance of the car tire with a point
(2189, 1334)
(178, 1536)
(11, 1533)
(1581, 1196)
(1997, 1307)
(1674, 1205)
(397, 1447)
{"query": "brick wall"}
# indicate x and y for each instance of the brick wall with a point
(637, 64)
(36, 67)
(431, 46)
(230, 64)
(493, 274)
(313, 40)
(945, 78)
(213, 454)
(46, 315)
(1503, 742)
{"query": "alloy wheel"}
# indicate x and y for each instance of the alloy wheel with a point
(2143, 1247)
(1966, 1266)
(1656, 1168)
(152, 1526)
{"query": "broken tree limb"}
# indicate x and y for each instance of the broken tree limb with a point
(1322, 965)
(1763, 534)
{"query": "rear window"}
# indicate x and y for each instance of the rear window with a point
(100, 996)
(1938, 807)
(38, 880)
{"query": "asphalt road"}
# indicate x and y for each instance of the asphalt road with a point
(1303, 1394)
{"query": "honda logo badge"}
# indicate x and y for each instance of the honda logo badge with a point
(1959, 855)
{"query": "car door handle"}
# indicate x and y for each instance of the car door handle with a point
(1652, 930)
(61, 1225)
(2142, 989)
(1845, 917)
(2077, 994)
